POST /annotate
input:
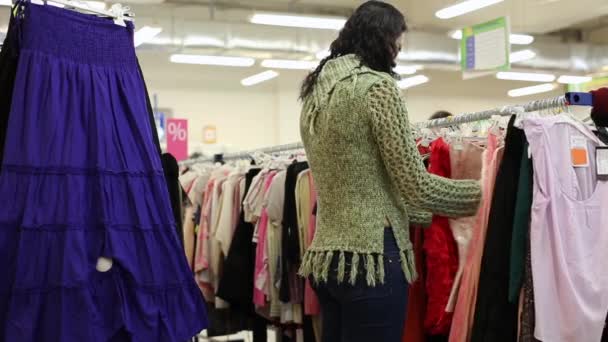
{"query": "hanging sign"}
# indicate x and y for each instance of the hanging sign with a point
(177, 138)
(486, 47)
(209, 135)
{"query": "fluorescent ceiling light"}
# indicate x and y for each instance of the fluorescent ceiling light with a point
(405, 69)
(213, 60)
(203, 41)
(521, 39)
(289, 64)
(537, 89)
(322, 54)
(515, 39)
(464, 7)
(328, 23)
(6, 3)
(523, 55)
(565, 79)
(525, 76)
(145, 34)
(412, 81)
(259, 78)
(456, 34)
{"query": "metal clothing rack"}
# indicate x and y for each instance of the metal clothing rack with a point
(245, 154)
(569, 99)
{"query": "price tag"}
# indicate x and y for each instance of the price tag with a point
(579, 151)
(601, 158)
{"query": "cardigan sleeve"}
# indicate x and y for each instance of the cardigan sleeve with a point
(418, 216)
(392, 132)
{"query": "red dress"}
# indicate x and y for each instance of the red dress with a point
(413, 330)
(441, 253)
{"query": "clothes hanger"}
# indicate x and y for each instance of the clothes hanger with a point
(121, 14)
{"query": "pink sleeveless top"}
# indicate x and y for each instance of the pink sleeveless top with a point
(569, 233)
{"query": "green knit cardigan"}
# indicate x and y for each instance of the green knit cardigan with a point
(368, 172)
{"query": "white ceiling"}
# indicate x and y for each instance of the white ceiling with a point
(530, 16)
(527, 16)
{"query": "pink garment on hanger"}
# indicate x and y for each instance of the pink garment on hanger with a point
(568, 233)
(462, 322)
(201, 260)
(261, 275)
(466, 164)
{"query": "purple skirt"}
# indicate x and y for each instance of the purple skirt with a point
(82, 179)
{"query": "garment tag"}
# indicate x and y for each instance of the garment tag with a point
(601, 158)
(104, 264)
(579, 151)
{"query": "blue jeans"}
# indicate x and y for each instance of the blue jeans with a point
(361, 313)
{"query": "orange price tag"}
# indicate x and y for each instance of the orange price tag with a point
(579, 151)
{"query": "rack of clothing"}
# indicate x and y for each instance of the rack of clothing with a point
(521, 269)
(560, 102)
(246, 228)
(474, 271)
(245, 154)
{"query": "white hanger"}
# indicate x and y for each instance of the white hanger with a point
(120, 13)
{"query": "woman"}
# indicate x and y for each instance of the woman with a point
(369, 176)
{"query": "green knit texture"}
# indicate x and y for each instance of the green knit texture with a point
(368, 172)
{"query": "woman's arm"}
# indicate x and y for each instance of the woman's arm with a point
(418, 216)
(393, 135)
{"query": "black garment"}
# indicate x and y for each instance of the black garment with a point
(495, 317)
(226, 321)
(528, 316)
(9, 57)
(150, 112)
(309, 331)
(361, 313)
(171, 169)
(260, 328)
(236, 284)
(290, 239)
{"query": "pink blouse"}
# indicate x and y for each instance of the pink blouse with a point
(261, 275)
(311, 302)
(462, 322)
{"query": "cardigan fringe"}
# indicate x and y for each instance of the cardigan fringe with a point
(318, 263)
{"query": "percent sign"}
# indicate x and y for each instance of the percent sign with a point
(177, 131)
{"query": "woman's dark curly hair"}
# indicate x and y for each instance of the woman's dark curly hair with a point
(370, 33)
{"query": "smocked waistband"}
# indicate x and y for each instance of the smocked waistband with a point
(78, 37)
